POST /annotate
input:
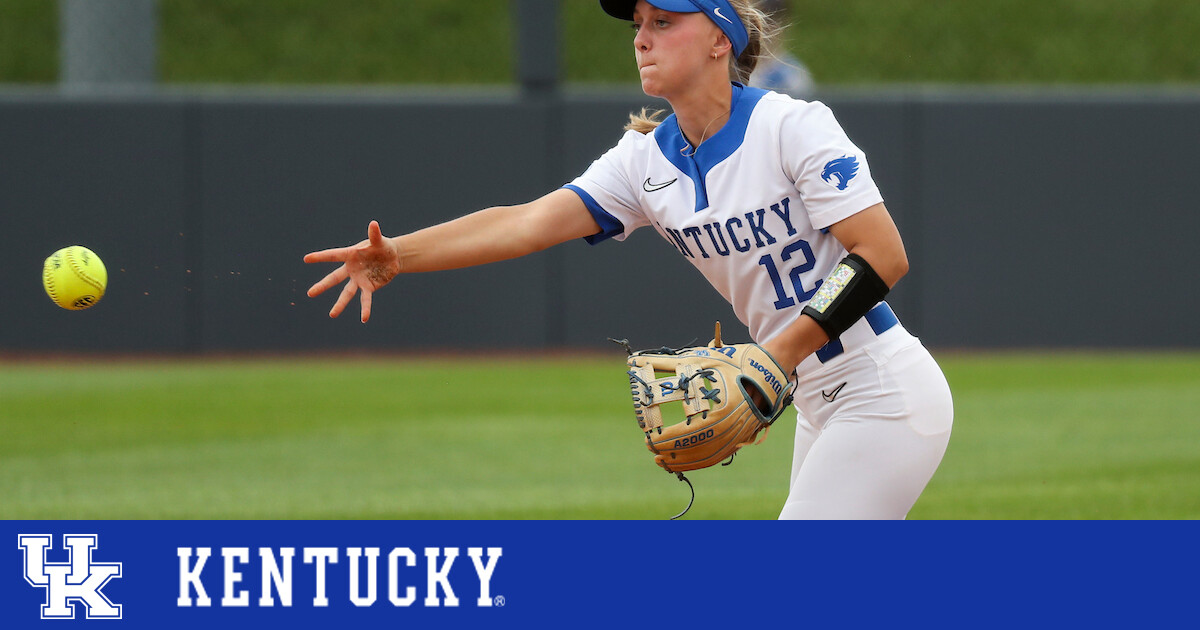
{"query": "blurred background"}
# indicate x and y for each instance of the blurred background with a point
(1039, 157)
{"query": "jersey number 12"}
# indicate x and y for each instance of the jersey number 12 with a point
(802, 266)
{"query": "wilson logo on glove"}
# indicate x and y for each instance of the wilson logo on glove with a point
(769, 377)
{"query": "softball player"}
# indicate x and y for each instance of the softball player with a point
(768, 198)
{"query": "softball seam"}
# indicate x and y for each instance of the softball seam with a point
(81, 272)
(48, 281)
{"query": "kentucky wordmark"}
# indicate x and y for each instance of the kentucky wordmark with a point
(277, 574)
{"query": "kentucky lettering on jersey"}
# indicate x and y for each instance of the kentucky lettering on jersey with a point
(744, 233)
(748, 207)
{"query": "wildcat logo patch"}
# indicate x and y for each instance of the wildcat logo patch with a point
(839, 172)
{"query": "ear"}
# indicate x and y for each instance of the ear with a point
(721, 46)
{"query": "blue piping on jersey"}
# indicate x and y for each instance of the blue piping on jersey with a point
(713, 151)
(609, 225)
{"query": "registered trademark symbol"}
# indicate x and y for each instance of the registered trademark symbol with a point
(498, 601)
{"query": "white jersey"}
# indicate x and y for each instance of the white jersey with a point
(748, 208)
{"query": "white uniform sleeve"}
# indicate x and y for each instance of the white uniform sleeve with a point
(830, 172)
(609, 191)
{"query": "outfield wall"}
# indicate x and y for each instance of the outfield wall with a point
(1051, 218)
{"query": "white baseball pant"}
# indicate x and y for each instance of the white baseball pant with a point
(872, 427)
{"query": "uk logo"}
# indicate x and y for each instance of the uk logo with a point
(77, 581)
(839, 172)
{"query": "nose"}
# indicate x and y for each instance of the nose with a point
(641, 41)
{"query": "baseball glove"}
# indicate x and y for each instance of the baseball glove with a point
(729, 394)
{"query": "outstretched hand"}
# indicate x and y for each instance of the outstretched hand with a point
(366, 267)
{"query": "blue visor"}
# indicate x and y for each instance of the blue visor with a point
(719, 11)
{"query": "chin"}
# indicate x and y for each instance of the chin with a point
(650, 87)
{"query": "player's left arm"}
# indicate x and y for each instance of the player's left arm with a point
(870, 234)
(873, 235)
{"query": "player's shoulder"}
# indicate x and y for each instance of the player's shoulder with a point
(786, 116)
(646, 141)
(632, 152)
(778, 105)
(637, 137)
(630, 143)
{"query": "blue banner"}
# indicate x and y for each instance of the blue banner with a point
(475, 574)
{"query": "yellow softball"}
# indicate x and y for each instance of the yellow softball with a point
(74, 277)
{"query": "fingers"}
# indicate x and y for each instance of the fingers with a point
(374, 234)
(345, 255)
(364, 298)
(344, 298)
(336, 254)
(340, 254)
(329, 281)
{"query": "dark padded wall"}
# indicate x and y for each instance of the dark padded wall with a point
(109, 176)
(1067, 223)
(1037, 219)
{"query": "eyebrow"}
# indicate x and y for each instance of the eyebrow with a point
(652, 11)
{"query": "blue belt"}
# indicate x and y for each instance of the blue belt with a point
(881, 318)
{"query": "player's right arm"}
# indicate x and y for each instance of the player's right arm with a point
(486, 236)
(496, 234)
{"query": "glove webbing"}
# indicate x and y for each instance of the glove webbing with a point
(687, 387)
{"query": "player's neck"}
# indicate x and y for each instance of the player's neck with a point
(703, 114)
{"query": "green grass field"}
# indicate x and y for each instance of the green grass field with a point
(1075, 436)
